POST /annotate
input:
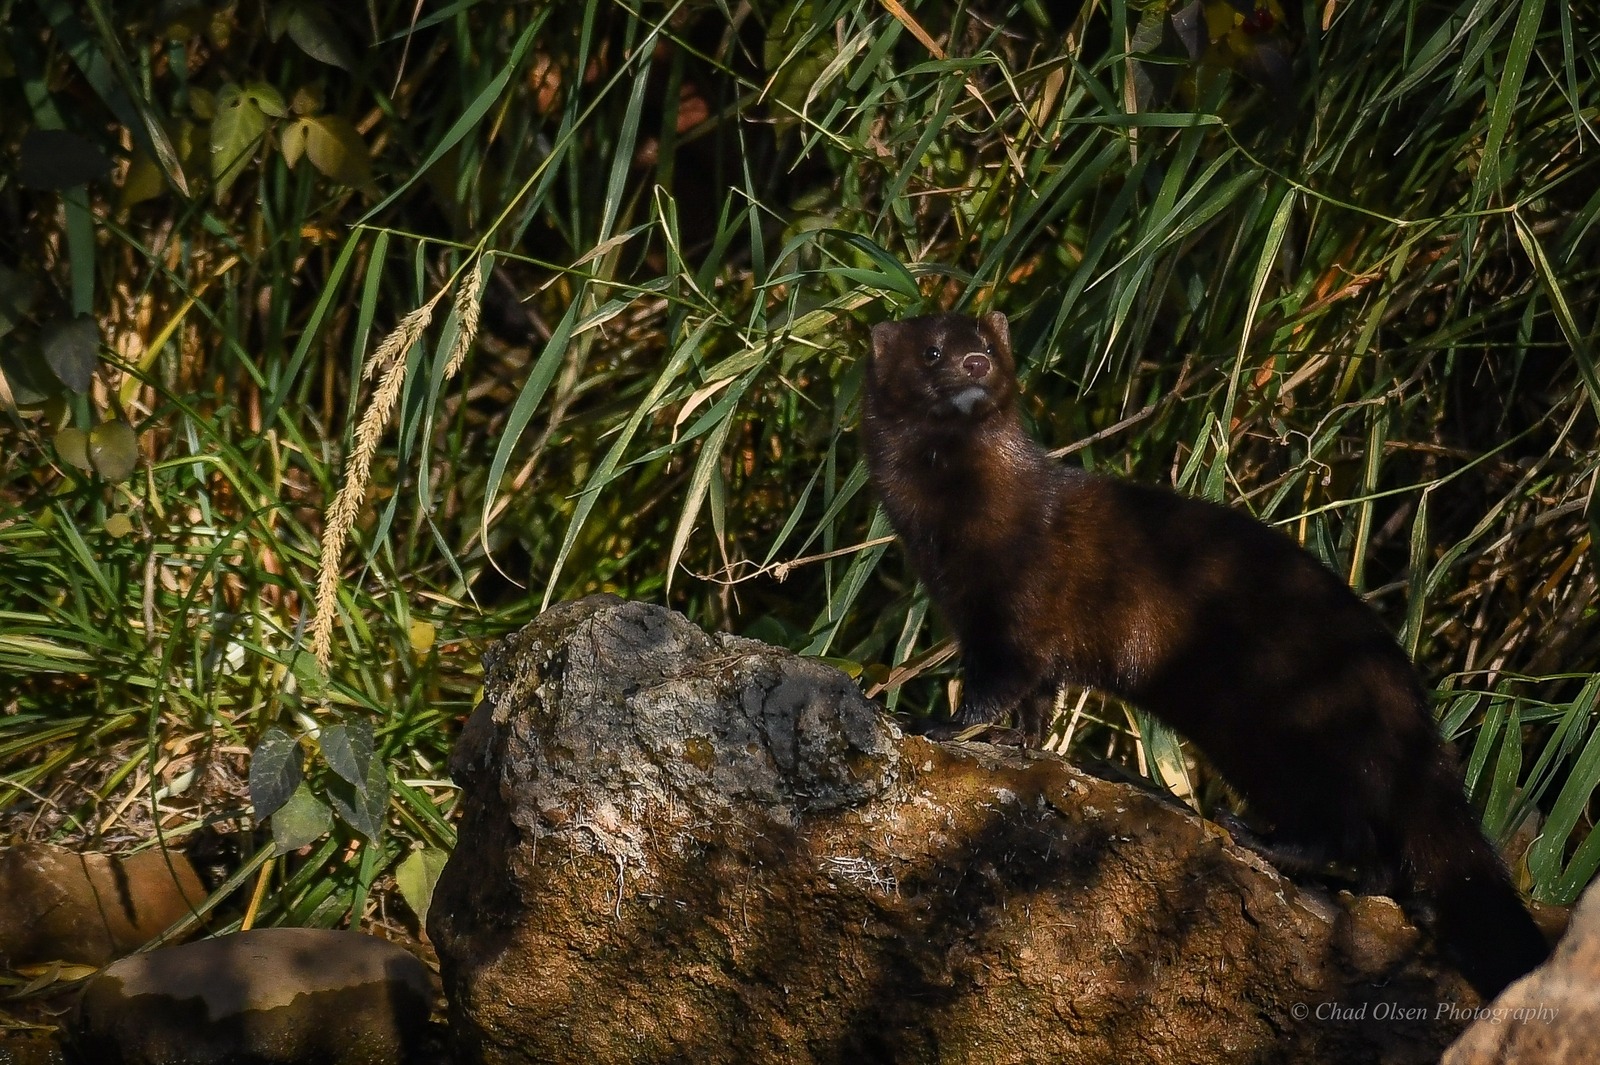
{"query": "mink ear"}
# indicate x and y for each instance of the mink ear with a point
(1000, 329)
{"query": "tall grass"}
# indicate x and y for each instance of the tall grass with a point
(1358, 303)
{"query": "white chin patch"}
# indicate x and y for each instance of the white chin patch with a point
(968, 399)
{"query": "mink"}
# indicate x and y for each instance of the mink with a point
(1223, 628)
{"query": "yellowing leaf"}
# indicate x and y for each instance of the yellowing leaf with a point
(73, 447)
(417, 875)
(422, 636)
(335, 148)
(142, 182)
(40, 648)
(202, 103)
(293, 141)
(118, 525)
(307, 100)
(114, 449)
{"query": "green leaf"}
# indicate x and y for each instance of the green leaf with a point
(1164, 758)
(313, 30)
(236, 130)
(362, 805)
(1512, 68)
(1552, 883)
(300, 821)
(1503, 781)
(891, 273)
(114, 449)
(699, 485)
(606, 470)
(480, 106)
(266, 98)
(72, 349)
(307, 100)
(349, 750)
(796, 52)
(416, 876)
(274, 772)
(23, 380)
(527, 402)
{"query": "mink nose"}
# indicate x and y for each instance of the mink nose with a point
(976, 365)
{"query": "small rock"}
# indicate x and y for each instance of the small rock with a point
(270, 996)
(59, 905)
(1552, 1015)
(30, 1047)
(1379, 939)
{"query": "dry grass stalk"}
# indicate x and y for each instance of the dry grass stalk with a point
(467, 307)
(389, 360)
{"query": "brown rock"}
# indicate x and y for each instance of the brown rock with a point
(270, 996)
(30, 1047)
(58, 905)
(1552, 1015)
(684, 847)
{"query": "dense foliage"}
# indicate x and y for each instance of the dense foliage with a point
(1334, 265)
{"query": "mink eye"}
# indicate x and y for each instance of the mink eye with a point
(988, 349)
(931, 355)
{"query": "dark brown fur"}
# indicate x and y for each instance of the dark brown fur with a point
(1225, 629)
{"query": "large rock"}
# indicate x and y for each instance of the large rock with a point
(1552, 1015)
(684, 847)
(269, 996)
(60, 905)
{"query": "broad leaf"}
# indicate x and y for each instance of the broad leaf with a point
(274, 772)
(333, 146)
(24, 380)
(300, 821)
(349, 749)
(73, 447)
(113, 449)
(72, 348)
(265, 97)
(422, 635)
(362, 806)
(311, 28)
(417, 875)
(236, 130)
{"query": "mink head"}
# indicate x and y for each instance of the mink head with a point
(945, 366)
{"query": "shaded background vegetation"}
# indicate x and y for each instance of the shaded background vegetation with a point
(1333, 264)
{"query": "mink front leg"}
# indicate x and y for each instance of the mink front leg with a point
(998, 683)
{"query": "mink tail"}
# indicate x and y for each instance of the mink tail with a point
(1479, 920)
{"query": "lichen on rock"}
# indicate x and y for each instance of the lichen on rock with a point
(626, 717)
